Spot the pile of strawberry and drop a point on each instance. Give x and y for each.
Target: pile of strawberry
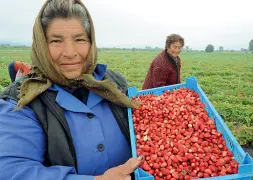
(178, 139)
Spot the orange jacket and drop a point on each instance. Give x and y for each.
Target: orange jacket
(22, 67)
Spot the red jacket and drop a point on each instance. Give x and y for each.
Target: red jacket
(163, 71)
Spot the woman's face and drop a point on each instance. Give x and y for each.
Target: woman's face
(69, 45)
(175, 49)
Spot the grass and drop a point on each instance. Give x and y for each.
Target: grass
(226, 78)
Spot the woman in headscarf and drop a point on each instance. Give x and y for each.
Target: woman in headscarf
(66, 119)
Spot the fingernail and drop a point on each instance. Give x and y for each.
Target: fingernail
(141, 157)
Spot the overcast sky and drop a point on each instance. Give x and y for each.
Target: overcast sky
(140, 23)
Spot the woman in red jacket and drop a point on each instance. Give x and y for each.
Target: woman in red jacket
(165, 68)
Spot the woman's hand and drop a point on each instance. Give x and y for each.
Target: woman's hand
(121, 172)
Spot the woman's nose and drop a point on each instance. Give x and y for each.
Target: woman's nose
(70, 50)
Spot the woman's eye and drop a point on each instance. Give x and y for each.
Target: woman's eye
(80, 40)
(55, 41)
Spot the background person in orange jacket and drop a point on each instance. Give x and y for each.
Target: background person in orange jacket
(165, 68)
(18, 69)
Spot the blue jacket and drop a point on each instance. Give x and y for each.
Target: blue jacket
(99, 143)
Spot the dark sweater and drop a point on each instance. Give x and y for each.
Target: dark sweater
(163, 71)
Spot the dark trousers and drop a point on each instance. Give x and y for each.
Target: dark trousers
(12, 72)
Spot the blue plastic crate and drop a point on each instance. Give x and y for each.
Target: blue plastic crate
(245, 161)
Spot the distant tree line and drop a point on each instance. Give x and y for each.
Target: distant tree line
(3, 46)
(210, 48)
(147, 48)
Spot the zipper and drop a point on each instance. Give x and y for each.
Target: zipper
(175, 65)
